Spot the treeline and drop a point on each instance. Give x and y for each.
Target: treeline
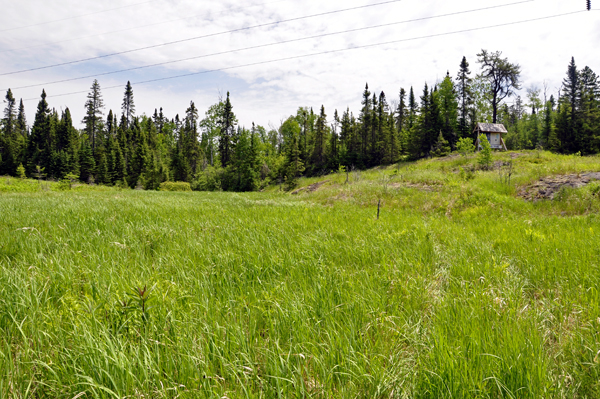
(214, 152)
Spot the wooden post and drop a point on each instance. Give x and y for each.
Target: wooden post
(378, 206)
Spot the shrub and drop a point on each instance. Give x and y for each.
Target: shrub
(465, 146)
(21, 171)
(441, 147)
(209, 179)
(175, 186)
(485, 155)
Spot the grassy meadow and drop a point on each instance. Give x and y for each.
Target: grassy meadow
(461, 289)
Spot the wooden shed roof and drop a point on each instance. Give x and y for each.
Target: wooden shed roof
(491, 128)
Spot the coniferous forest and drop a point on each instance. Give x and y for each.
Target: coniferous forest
(213, 151)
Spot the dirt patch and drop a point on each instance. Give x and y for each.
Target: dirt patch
(547, 187)
(309, 189)
(514, 155)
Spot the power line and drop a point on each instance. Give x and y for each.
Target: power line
(271, 44)
(134, 28)
(325, 52)
(77, 16)
(202, 37)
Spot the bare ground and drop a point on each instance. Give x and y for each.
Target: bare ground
(547, 187)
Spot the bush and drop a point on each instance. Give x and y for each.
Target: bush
(21, 172)
(485, 155)
(465, 146)
(209, 179)
(175, 186)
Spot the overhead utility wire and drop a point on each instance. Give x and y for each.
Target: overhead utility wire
(135, 27)
(266, 45)
(77, 16)
(202, 37)
(323, 53)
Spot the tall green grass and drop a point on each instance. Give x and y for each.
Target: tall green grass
(459, 290)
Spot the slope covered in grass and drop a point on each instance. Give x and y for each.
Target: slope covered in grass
(460, 289)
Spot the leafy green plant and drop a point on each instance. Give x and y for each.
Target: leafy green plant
(175, 186)
(465, 146)
(484, 158)
(21, 172)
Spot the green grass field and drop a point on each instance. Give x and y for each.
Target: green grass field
(460, 289)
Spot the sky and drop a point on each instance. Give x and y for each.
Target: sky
(274, 56)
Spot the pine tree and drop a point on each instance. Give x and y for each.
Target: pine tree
(365, 119)
(190, 144)
(465, 97)
(293, 165)
(567, 120)
(589, 111)
(226, 125)
(319, 146)
(87, 163)
(9, 148)
(38, 153)
(67, 142)
(128, 107)
(93, 113)
(449, 110)
(412, 109)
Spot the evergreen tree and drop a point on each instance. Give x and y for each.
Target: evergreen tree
(365, 119)
(293, 165)
(87, 163)
(226, 125)
(449, 110)
(465, 97)
(9, 142)
(412, 109)
(319, 145)
(190, 144)
(67, 142)
(93, 113)
(589, 111)
(38, 153)
(128, 107)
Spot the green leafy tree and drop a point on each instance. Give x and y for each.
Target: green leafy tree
(502, 76)
(465, 146)
(484, 159)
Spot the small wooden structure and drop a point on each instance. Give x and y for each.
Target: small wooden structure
(493, 132)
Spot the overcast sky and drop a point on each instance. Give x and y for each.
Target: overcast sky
(419, 44)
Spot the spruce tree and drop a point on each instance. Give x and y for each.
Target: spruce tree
(190, 143)
(93, 113)
(319, 146)
(449, 110)
(87, 163)
(226, 125)
(465, 97)
(365, 118)
(9, 143)
(38, 153)
(567, 118)
(128, 107)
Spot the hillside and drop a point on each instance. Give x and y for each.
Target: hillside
(468, 285)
